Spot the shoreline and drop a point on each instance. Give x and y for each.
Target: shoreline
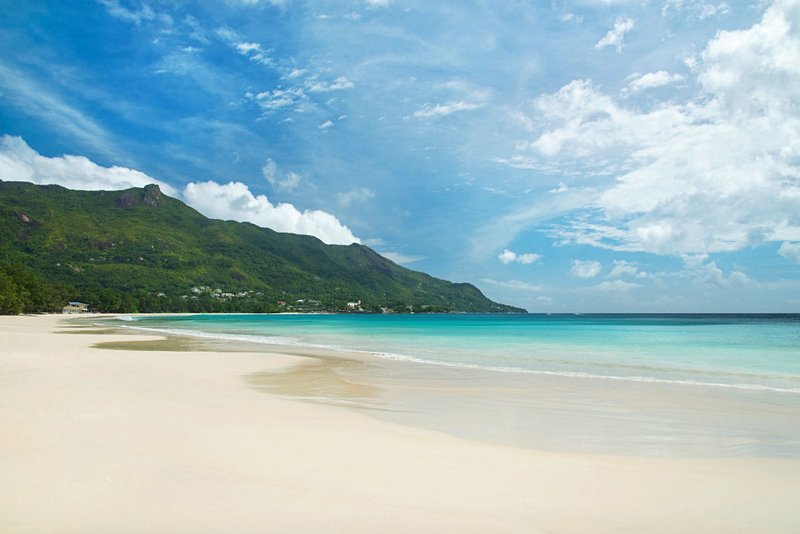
(557, 412)
(108, 440)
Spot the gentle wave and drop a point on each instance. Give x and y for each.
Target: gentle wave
(295, 342)
(578, 374)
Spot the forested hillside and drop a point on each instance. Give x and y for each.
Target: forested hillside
(141, 251)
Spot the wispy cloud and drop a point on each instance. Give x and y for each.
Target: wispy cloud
(615, 35)
(650, 80)
(401, 259)
(513, 284)
(615, 286)
(354, 196)
(441, 110)
(41, 101)
(254, 52)
(118, 11)
(338, 84)
(280, 180)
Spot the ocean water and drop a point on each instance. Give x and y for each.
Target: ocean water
(737, 352)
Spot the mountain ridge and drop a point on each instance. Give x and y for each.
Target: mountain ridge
(139, 250)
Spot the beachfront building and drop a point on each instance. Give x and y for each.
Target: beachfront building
(75, 307)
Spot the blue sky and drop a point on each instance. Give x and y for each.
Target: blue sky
(562, 156)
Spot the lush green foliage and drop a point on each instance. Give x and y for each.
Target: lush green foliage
(139, 250)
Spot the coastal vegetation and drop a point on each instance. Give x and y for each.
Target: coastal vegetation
(139, 250)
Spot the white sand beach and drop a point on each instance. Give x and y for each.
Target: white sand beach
(113, 441)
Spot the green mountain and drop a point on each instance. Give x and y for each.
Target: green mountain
(141, 251)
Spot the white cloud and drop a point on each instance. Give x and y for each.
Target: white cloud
(254, 52)
(354, 196)
(276, 99)
(440, 110)
(234, 201)
(699, 9)
(716, 173)
(693, 261)
(324, 87)
(615, 36)
(377, 3)
(709, 274)
(276, 3)
(790, 251)
(615, 286)
(623, 268)
(653, 79)
(585, 269)
(116, 10)
(325, 125)
(20, 163)
(508, 256)
(42, 101)
(288, 181)
(513, 284)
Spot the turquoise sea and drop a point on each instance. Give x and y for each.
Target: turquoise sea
(749, 352)
(654, 385)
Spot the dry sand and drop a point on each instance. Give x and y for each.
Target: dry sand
(110, 441)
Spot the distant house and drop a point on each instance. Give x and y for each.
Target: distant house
(75, 307)
(354, 305)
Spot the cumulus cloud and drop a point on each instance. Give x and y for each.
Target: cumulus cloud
(717, 173)
(234, 201)
(790, 251)
(707, 273)
(625, 268)
(20, 163)
(585, 269)
(616, 34)
(440, 110)
(508, 256)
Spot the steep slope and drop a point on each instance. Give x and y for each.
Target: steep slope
(140, 250)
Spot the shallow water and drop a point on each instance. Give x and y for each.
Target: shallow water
(758, 352)
(685, 385)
